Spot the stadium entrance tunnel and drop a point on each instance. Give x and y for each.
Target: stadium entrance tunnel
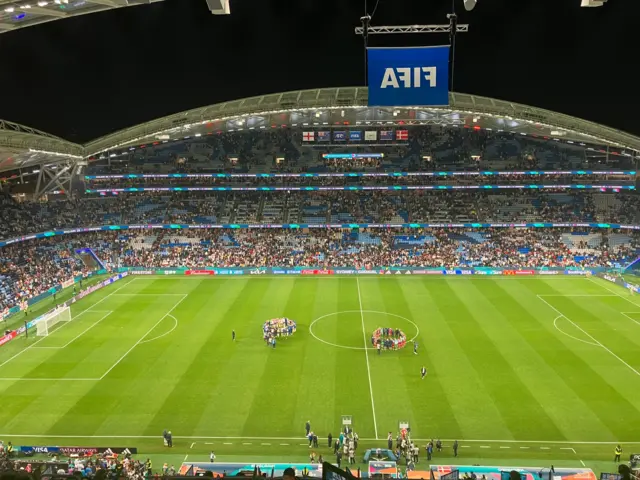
(344, 329)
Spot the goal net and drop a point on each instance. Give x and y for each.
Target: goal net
(60, 314)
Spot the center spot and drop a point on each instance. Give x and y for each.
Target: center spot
(344, 329)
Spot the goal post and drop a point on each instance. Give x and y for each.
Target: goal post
(44, 325)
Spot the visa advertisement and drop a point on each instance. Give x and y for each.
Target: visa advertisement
(409, 76)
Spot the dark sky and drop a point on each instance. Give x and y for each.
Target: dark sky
(91, 75)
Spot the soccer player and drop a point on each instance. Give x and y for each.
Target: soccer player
(415, 348)
(423, 372)
(233, 335)
(212, 457)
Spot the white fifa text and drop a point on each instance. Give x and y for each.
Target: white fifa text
(408, 77)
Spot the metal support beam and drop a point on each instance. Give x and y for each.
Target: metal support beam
(460, 28)
(59, 179)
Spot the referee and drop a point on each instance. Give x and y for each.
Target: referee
(423, 372)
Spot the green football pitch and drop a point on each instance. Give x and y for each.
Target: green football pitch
(524, 370)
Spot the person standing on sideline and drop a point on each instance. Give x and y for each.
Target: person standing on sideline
(415, 347)
(212, 457)
(618, 452)
(379, 349)
(329, 440)
(307, 428)
(233, 335)
(423, 372)
(390, 441)
(455, 448)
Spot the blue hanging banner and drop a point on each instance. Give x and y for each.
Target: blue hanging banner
(408, 76)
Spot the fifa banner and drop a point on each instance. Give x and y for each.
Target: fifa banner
(410, 76)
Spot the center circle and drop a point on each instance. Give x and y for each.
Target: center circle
(375, 312)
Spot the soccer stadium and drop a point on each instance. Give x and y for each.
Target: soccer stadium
(304, 281)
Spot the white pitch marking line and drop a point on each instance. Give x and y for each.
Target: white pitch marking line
(185, 458)
(284, 444)
(485, 446)
(226, 443)
(359, 311)
(601, 285)
(192, 445)
(197, 437)
(366, 353)
(85, 331)
(545, 448)
(582, 463)
(568, 448)
(155, 294)
(574, 295)
(209, 443)
(505, 447)
(175, 325)
(630, 318)
(589, 335)
(265, 444)
(50, 379)
(524, 448)
(62, 326)
(143, 337)
(247, 443)
(464, 446)
(38, 341)
(555, 324)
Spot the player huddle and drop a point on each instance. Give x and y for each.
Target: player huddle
(277, 327)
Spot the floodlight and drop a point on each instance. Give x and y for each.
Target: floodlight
(470, 4)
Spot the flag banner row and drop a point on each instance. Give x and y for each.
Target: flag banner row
(355, 136)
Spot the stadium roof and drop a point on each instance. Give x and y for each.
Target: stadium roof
(16, 14)
(319, 108)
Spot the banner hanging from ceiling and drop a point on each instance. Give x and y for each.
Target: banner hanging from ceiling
(408, 76)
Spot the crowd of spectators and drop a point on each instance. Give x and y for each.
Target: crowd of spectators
(386, 206)
(32, 267)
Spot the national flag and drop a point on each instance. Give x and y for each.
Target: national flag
(402, 134)
(386, 135)
(355, 135)
(324, 136)
(308, 136)
(370, 135)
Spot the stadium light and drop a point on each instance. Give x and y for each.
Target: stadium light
(470, 4)
(593, 3)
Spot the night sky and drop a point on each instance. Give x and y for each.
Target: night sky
(91, 75)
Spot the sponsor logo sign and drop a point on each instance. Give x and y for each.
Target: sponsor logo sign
(257, 271)
(525, 272)
(548, 272)
(577, 272)
(200, 272)
(143, 272)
